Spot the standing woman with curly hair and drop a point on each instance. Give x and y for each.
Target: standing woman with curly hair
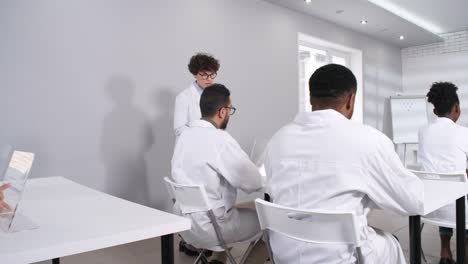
(443, 148)
(204, 69)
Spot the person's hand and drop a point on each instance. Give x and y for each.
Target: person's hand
(3, 204)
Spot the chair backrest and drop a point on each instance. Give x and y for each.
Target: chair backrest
(169, 189)
(438, 176)
(320, 227)
(257, 149)
(414, 166)
(190, 198)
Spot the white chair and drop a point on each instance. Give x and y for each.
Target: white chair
(318, 227)
(193, 199)
(437, 176)
(257, 149)
(414, 167)
(169, 189)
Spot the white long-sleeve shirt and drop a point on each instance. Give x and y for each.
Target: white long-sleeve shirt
(443, 148)
(187, 108)
(324, 161)
(205, 155)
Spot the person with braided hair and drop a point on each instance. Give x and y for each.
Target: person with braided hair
(443, 148)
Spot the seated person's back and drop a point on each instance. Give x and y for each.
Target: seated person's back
(443, 144)
(443, 148)
(207, 155)
(324, 161)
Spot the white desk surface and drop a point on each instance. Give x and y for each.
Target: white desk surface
(74, 219)
(440, 193)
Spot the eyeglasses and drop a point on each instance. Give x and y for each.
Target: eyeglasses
(232, 109)
(205, 75)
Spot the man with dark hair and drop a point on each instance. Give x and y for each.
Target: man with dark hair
(205, 154)
(204, 68)
(324, 161)
(443, 148)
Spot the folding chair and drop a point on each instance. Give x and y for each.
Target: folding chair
(318, 227)
(438, 176)
(193, 198)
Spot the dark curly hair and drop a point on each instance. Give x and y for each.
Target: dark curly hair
(443, 95)
(203, 62)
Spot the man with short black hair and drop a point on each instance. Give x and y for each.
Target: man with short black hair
(205, 154)
(204, 69)
(324, 161)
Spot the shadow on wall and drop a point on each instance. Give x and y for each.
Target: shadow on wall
(158, 158)
(125, 139)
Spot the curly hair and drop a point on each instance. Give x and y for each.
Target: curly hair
(203, 62)
(443, 95)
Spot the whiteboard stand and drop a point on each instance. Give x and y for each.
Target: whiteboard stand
(409, 114)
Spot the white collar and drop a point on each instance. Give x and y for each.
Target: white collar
(318, 116)
(201, 123)
(443, 120)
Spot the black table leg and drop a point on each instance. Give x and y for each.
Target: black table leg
(415, 239)
(266, 197)
(167, 249)
(461, 230)
(56, 261)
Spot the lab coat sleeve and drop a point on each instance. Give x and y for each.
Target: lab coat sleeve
(390, 185)
(464, 140)
(236, 167)
(181, 112)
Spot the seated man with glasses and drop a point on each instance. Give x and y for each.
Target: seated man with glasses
(205, 154)
(204, 68)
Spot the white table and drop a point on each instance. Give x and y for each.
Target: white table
(436, 195)
(74, 219)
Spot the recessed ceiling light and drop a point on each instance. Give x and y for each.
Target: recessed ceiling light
(307, 1)
(363, 22)
(402, 37)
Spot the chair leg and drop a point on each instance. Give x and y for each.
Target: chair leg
(266, 238)
(220, 237)
(205, 259)
(247, 252)
(199, 257)
(230, 257)
(422, 250)
(359, 255)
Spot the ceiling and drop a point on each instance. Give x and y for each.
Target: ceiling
(388, 19)
(437, 16)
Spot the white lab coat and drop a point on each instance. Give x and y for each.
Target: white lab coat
(187, 108)
(202, 144)
(324, 161)
(443, 147)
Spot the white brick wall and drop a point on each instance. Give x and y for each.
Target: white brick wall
(453, 42)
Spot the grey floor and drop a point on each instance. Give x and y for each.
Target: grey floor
(148, 251)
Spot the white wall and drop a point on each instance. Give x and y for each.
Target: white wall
(90, 85)
(445, 61)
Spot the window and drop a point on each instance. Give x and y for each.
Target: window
(314, 53)
(312, 58)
